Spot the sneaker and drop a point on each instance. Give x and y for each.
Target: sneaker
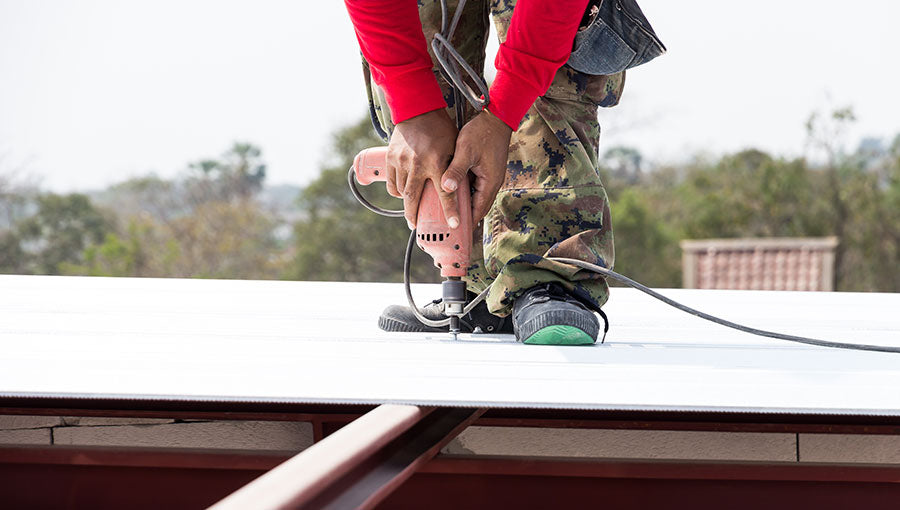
(547, 314)
(401, 319)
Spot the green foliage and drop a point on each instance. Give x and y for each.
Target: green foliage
(646, 249)
(750, 194)
(867, 221)
(115, 257)
(239, 173)
(207, 224)
(13, 259)
(853, 196)
(63, 227)
(221, 240)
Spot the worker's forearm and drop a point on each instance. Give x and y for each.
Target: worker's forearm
(537, 44)
(391, 39)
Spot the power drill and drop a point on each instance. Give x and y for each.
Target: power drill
(450, 248)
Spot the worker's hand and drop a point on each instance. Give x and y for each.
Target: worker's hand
(482, 147)
(420, 149)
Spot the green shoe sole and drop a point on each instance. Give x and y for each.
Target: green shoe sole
(560, 335)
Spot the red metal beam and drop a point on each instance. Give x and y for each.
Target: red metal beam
(139, 478)
(261, 460)
(62, 477)
(488, 483)
(524, 492)
(357, 466)
(137, 457)
(700, 421)
(304, 477)
(662, 469)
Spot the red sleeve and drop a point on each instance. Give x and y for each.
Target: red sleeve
(390, 37)
(537, 44)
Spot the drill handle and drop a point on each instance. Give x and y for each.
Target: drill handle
(370, 165)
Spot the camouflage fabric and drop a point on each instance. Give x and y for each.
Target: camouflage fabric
(552, 203)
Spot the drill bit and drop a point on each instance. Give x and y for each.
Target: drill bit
(454, 327)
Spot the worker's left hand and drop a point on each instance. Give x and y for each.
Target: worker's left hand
(482, 147)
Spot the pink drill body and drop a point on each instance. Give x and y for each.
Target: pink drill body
(450, 248)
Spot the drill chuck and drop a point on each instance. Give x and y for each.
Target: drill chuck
(453, 295)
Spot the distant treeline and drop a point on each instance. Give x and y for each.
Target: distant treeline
(215, 220)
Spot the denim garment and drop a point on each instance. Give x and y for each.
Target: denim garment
(618, 38)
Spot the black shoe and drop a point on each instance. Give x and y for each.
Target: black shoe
(547, 314)
(401, 318)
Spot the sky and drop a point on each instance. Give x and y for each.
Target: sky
(93, 92)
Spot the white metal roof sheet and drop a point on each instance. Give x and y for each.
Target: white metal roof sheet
(216, 340)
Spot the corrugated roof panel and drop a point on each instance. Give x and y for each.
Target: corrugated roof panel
(211, 340)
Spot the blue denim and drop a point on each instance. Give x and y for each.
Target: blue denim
(618, 38)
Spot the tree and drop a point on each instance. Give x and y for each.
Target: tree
(646, 249)
(623, 167)
(17, 201)
(238, 174)
(17, 198)
(115, 257)
(56, 235)
(870, 185)
(826, 135)
(13, 259)
(750, 194)
(207, 223)
(861, 213)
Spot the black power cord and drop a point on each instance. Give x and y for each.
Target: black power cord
(712, 318)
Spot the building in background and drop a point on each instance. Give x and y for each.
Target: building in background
(784, 263)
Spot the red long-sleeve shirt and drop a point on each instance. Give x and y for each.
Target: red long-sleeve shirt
(537, 44)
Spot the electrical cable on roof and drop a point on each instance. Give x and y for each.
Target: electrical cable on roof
(444, 51)
(712, 318)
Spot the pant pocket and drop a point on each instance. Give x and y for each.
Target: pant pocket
(599, 50)
(618, 38)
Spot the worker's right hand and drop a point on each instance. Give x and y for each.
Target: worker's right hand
(420, 150)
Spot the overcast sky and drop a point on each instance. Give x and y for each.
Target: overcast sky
(96, 91)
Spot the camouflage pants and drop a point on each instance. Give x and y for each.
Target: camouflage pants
(552, 203)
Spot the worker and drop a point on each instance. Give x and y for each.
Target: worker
(532, 152)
